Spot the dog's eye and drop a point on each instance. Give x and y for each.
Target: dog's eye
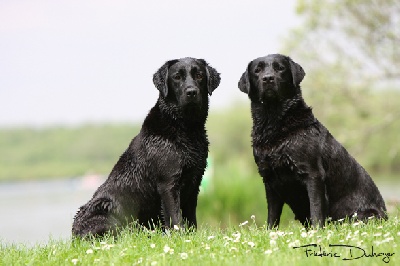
(257, 70)
(199, 76)
(177, 76)
(278, 67)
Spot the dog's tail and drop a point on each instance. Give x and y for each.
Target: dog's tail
(95, 218)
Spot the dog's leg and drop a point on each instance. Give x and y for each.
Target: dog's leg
(189, 205)
(170, 203)
(275, 205)
(189, 213)
(316, 195)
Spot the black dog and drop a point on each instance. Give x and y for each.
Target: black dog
(157, 178)
(300, 162)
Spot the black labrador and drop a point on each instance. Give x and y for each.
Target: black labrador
(301, 163)
(157, 179)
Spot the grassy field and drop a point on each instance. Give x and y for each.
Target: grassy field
(375, 243)
(28, 154)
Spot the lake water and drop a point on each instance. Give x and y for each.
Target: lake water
(34, 212)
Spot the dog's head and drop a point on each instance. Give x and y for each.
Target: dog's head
(270, 78)
(186, 81)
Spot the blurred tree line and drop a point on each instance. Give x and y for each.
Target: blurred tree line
(349, 51)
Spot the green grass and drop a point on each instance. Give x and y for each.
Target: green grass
(244, 244)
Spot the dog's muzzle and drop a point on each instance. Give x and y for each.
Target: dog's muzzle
(192, 94)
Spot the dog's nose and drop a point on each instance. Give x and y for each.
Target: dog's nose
(268, 78)
(191, 92)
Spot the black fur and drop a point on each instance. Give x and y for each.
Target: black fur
(301, 163)
(157, 178)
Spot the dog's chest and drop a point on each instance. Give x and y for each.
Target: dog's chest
(274, 157)
(194, 149)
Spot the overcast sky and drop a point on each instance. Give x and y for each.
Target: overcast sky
(72, 62)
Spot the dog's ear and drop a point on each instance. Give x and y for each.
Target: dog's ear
(213, 77)
(244, 82)
(297, 73)
(160, 78)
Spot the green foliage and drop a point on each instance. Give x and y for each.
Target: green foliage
(233, 198)
(27, 153)
(349, 51)
(244, 244)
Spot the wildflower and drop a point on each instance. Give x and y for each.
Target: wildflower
(244, 223)
(364, 233)
(303, 234)
(184, 256)
(272, 242)
(251, 244)
(74, 261)
(398, 233)
(273, 235)
(207, 247)
(96, 260)
(295, 243)
(210, 237)
(378, 234)
(152, 245)
(228, 238)
(388, 239)
(386, 235)
(268, 251)
(166, 249)
(311, 233)
(188, 240)
(106, 246)
(89, 251)
(253, 217)
(176, 227)
(237, 237)
(280, 233)
(357, 223)
(154, 263)
(233, 249)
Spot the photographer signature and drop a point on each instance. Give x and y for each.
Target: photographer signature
(345, 252)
